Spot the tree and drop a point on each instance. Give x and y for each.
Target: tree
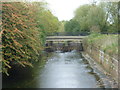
(112, 16)
(48, 22)
(92, 18)
(81, 16)
(96, 19)
(72, 26)
(24, 27)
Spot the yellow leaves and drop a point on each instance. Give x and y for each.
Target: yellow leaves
(5, 4)
(18, 32)
(22, 53)
(5, 70)
(6, 63)
(15, 15)
(17, 43)
(26, 63)
(7, 54)
(23, 63)
(1, 32)
(22, 34)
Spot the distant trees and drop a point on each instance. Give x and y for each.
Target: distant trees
(81, 16)
(101, 18)
(112, 16)
(91, 18)
(96, 19)
(72, 26)
(24, 27)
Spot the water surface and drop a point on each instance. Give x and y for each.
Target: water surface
(62, 70)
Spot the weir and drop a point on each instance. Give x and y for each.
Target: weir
(64, 43)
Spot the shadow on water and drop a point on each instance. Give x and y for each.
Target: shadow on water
(61, 70)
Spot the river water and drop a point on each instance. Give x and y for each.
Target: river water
(62, 70)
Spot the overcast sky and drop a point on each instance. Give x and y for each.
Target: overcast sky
(64, 9)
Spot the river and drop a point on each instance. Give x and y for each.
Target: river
(62, 70)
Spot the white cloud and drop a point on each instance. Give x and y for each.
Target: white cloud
(64, 9)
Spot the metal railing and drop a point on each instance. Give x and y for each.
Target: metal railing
(69, 34)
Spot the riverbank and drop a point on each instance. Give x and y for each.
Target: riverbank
(106, 43)
(23, 76)
(103, 49)
(97, 68)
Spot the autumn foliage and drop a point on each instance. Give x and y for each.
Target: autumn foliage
(23, 33)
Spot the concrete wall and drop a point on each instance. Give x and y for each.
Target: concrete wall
(64, 46)
(109, 63)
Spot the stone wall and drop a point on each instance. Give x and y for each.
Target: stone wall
(108, 62)
(64, 46)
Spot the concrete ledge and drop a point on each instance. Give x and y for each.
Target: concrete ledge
(99, 68)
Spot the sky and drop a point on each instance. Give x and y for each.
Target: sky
(64, 9)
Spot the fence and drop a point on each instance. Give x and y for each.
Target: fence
(69, 34)
(75, 33)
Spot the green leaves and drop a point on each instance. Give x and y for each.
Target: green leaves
(25, 26)
(81, 15)
(98, 18)
(72, 26)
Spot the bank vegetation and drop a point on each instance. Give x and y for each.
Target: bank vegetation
(24, 28)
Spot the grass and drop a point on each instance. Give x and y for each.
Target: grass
(107, 43)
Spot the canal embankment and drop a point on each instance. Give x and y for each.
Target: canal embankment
(103, 50)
